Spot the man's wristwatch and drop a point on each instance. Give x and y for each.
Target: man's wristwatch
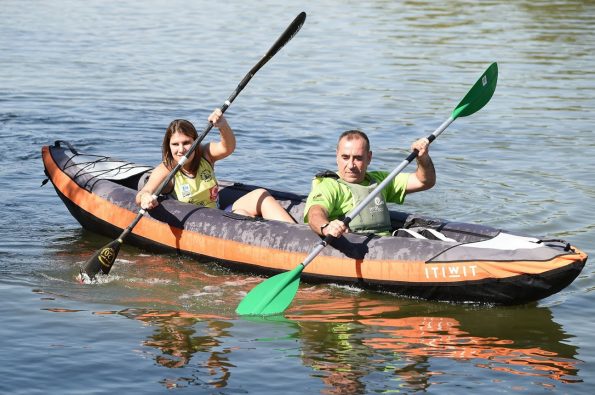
(322, 228)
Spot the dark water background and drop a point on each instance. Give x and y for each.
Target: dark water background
(108, 76)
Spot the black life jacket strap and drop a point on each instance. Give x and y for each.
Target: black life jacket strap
(327, 174)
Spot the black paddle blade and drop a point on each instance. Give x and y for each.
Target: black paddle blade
(103, 259)
(293, 28)
(288, 34)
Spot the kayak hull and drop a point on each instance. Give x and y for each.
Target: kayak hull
(471, 263)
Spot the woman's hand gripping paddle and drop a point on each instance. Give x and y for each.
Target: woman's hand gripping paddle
(103, 259)
(275, 294)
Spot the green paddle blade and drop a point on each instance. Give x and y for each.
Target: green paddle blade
(479, 95)
(273, 295)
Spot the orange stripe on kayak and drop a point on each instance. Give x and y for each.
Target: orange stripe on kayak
(84, 199)
(422, 272)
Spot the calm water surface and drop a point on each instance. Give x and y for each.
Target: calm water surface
(108, 76)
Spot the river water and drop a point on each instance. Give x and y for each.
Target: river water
(108, 76)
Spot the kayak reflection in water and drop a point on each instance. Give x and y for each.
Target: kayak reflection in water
(347, 340)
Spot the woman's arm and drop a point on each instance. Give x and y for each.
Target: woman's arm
(217, 150)
(145, 197)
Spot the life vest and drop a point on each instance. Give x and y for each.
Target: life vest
(202, 190)
(374, 217)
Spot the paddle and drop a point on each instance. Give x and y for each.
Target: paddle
(275, 294)
(103, 259)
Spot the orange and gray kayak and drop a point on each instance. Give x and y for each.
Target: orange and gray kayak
(429, 258)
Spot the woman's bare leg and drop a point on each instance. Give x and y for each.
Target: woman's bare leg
(260, 203)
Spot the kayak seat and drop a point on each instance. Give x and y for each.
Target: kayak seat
(143, 180)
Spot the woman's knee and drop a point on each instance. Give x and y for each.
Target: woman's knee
(260, 193)
(250, 203)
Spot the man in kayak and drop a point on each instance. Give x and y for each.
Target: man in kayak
(333, 195)
(195, 182)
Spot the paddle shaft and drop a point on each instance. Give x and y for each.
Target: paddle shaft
(474, 100)
(353, 213)
(275, 294)
(104, 258)
(287, 35)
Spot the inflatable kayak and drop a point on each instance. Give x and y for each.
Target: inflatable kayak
(426, 257)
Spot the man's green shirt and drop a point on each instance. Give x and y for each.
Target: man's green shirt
(338, 200)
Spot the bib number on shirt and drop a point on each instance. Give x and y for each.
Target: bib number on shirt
(185, 188)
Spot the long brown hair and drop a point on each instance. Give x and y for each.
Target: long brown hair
(186, 128)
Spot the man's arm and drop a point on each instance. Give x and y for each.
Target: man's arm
(425, 175)
(319, 223)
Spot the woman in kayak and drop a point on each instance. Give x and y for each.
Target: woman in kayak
(195, 181)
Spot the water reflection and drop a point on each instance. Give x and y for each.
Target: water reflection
(180, 337)
(405, 339)
(348, 341)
